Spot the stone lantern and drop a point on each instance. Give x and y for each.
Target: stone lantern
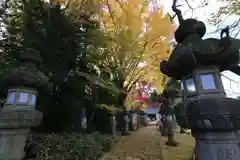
(18, 114)
(212, 117)
(169, 122)
(126, 123)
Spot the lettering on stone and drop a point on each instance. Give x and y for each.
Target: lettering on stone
(225, 153)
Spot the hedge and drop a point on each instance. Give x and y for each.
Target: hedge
(69, 146)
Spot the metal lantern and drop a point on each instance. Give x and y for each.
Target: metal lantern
(212, 117)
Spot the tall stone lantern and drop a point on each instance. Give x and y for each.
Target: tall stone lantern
(18, 113)
(213, 118)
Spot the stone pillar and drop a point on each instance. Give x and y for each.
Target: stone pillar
(114, 126)
(84, 120)
(18, 114)
(164, 129)
(134, 121)
(138, 120)
(14, 128)
(171, 124)
(217, 146)
(214, 127)
(126, 120)
(126, 125)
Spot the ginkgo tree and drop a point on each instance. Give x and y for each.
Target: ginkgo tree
(139, 34)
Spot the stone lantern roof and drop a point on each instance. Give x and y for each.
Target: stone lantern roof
(26, 73)
(193, 52)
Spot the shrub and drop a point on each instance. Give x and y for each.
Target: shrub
(69, 146)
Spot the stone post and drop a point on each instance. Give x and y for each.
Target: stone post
(138, 119)
(114, 126)
(126, 124)
(126, 119)
(134, 121)
(84, 120)
(18, 114)
(197, 62)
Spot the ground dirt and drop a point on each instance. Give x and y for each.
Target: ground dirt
(148, 144)
(184, 151)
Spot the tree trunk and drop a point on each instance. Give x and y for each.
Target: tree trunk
(121, 95)
(121, 99)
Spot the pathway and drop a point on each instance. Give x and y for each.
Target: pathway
(145, 144)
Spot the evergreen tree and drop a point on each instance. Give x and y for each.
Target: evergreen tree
(62, 43)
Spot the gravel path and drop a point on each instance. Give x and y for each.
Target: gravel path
(145, 144)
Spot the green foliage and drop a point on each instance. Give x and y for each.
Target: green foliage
(69, 146)
(108, 108)
(64, 42)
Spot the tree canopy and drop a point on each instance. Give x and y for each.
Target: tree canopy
(138, 36)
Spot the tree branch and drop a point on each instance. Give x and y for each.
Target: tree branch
(177, 11)
(110, 12)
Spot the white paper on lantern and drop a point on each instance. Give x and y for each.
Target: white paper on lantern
(208, 81)
(33, 101)
(23, 98)
(190, 85)
(11, 97)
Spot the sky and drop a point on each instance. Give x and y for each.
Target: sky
(231, 81)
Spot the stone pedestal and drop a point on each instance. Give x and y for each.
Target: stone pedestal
(215, 124)
(14, 129)
(217, 146)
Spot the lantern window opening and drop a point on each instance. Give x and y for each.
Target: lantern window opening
(33, 100)
(11, 98)
(208, 81)
(23, 98)
(190, 85)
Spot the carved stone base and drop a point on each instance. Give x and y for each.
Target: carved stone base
(14, 129)
(12, 144)
(217, 146)
(209, 114)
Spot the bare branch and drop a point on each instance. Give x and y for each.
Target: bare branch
(177, 11)
(131, 83)
(189, 5)
(191, 8)
(171, 17)
(136, 74)
(110, 12)
(232, 27)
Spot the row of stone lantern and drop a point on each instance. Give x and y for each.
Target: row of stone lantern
(212, 117)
